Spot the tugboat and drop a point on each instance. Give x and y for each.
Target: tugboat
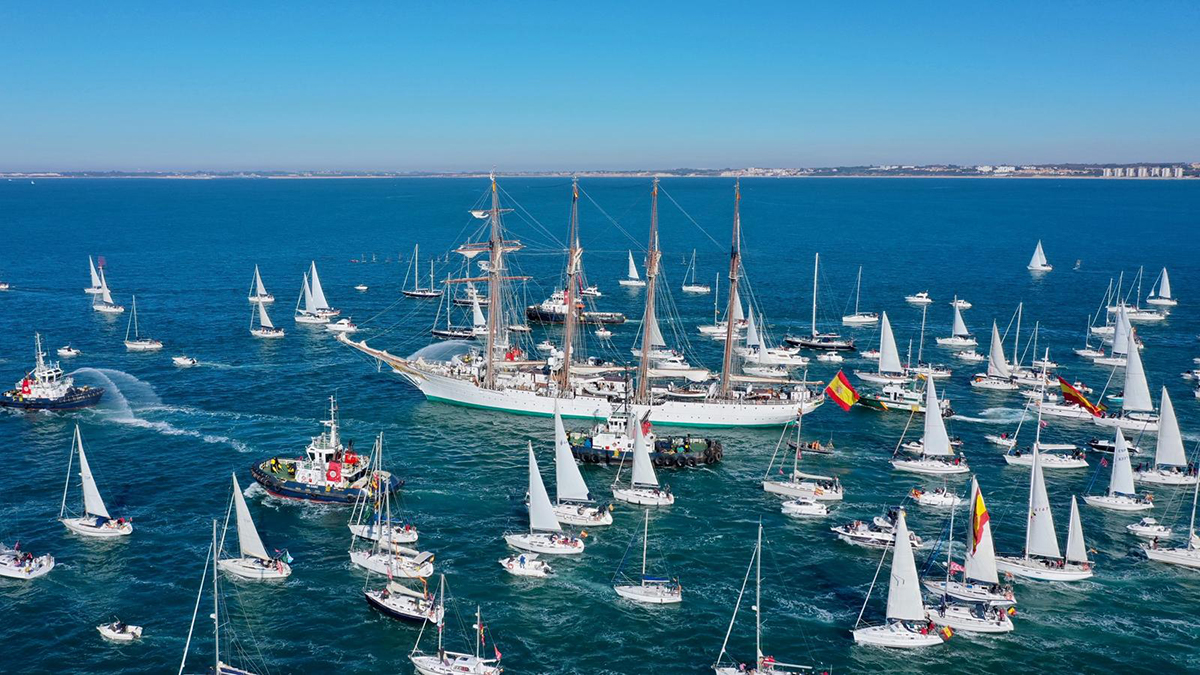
(47, 388)
(329, 473)
(611, 442)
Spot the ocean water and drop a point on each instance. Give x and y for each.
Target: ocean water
(164, 440)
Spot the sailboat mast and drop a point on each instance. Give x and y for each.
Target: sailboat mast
(758, 599)
(816, 264)
(652, 254)
(1192, 525)
(921, 344)
(858, 291)
(645, 541)
(495, 250)
(479, 632)
(734, 264)
(70, 463)
(442, 614)
(1017, 338)
(1037, 441)
(216, 606)
(573, 259)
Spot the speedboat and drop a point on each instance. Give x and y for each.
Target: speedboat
(603, 333)
(183, 361)
(960, 303)
(921, 298)
(119, 631)
(830, 357)
(804, 507)
(971, 356)
(68, 351)
(18, 564)
(342, 326)
(592, 292)
(526, 565)
(361, 288)
(937, 497)
(1149, 528)
(870, 354)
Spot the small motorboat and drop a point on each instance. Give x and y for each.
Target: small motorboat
(804, 507)
(1149, 528)
(342, 326)
(119, 631)
(183, 361)
(870, 354)
(68, 351)
(603, 333)
(591, 292)
(940, 497)
(526, 565)
(960, 303)
(921, 298)
(970, 357)
(361, 288)
(830, 357)
(545, 346)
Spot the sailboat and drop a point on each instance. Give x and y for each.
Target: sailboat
(446, 662)
(1136, 312)
(999, 375)
(693, 286)
(799, 486)
(573, 503)
(631, 277)
(718, 328)
(980, 582)
(760, 357)
(1038, 262)
(890, 370)
(1187, 555)
(320, 305)
(258, 292)
(643, 488)
(371, 518)
(960, 337)
(415, 271)
(103, 301)
(253, 562)
(95, 288)
(651, 590)
(265, 328)
(936, 454)
(94, 521)
(1171, 465)
(762, 664)
(1118, 355)
(1161, 294)
(859, 318)
(138, 343)
(545, 534)
(309, 313)
(907, 625)
(970, 616)
(385, 554)
(1137, 409)
(1122, 495)
(818, 340)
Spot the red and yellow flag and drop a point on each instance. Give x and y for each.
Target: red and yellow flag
(1073, 395)
(841, 392)
(979, 518)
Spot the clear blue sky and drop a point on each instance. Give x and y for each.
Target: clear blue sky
(567, 85)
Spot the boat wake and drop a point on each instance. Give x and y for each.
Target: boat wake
(994, 416)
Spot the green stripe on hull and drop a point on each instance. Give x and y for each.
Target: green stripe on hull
(531, 413)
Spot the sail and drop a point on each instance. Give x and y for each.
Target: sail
(633, 273)
(96, 277)
(1040, 539)
(318, 293)
(737, 307)
(478, 320)
(1076, 548)
(1164, 286)
(904, 589)
(1121, 481)
(656, 336)
(937, 442)
(1121, 330)
(92, 503)
(1039, 256)
(889, 355)
(752, 337)
(309, 306)
(980, 562)
(997, 364)
(1170, 450)
(643, 470)
(248, 540)
(259, 289)
(104, 293)
(1137, 390)
(569, 482)
(960, 327)
(541, 512)
(263, 319)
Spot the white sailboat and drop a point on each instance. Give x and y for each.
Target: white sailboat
(694, 286)
(960, 337)
(1122, 495)
(103, 301)
(718, 328)
(631, 277)
(817, 339)
(445, 662)
(320, 304)
(253, 562)
(94, 519)
(650, 590)
(385, 554)
(643, 488)
(907, 625)
(371, 518)
(264, 329)
(763, 360)
(890, 370)
(138, 343)
(545, 534)
(936, 455)
(969, 616)
(980, 581)
(414, 271)
(805, 489)
(258, 292)
(1137, 409)
(95, 288)
(1171, 465)
(859, 318)
(1119, 353)
(999, 376)
(1161, 294)
(1187, 555)
(1038, 262)
(308, 313)
(573, 503)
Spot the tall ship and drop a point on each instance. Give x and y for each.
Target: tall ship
(46, 387)
(501, 377)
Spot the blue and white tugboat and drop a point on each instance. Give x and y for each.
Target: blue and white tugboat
(47, 388)
(329, 472)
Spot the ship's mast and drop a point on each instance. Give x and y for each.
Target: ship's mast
(649, 322)
(574, 257)
(734, 265)
(495, 251)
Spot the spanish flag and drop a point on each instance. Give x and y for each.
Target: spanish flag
(841, 392)
(979, 518)
(1073, 395)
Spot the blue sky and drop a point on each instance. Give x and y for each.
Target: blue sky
(564, 85)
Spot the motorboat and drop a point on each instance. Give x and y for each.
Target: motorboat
(526, 565)
(921, 298)
(184, 361)
(119, 631)
(342, 326)
(68, 351)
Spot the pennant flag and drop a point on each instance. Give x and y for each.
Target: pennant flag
(498, 654)
(841, 391)
(956, 568)
(1103, 461)
(1073, 395)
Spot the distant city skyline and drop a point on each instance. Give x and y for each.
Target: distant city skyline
(456, 86)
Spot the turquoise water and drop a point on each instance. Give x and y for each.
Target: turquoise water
(164, 440)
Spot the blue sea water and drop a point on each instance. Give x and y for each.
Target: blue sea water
(164, 440)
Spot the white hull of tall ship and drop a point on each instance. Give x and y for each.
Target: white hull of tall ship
(255, 568)
(454, 664)
(1119, 502)
(973, 592)
(545, 543)
(1161, 476)
(1049, 461)
(1043, 569)
(1187, 557)
(957, 342)
(91, 526)
(1139, 423)
(643, 496)
(396, 564)
(933, 467)
(896, 635)
(968, 619)
(582, 514)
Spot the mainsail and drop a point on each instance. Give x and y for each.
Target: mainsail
(263, 319)
(1121, 481)
(960, 327)
(259, 289)
(567, 478)
(1039, 256)
(643, 470)
(318, 294)
(1040, 537)
(997, 364)
(980, 562)
(1137, 389)
(904, 589)
(889, 355)
(1170, 451)
(96, 277)
(1076, 548)
(937, 441)
(92, 503)
(248, 541)
(632, 274)
(541, 511)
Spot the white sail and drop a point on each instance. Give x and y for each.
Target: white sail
(263, 319)
(104, 293)
(259, 289)
(737, 307)
(643, 470)
(980, 563)
(310, 307)
(960, 327)
(1076, 548)
(478, 320)
(632, 275)
(1164, 286)
(752, 337)
(1039, 256)
(567, 478)
(889, 355)
(318, 293)
(1137, 389)
(1121, 481)
(1170, 451)
(96, 277)
(904, 589)
(997, 364)
(656, 336)
(937, 441)
(92, 503)
(1040, 538)
(1121, 331)
(248, 541)
(541, 511)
